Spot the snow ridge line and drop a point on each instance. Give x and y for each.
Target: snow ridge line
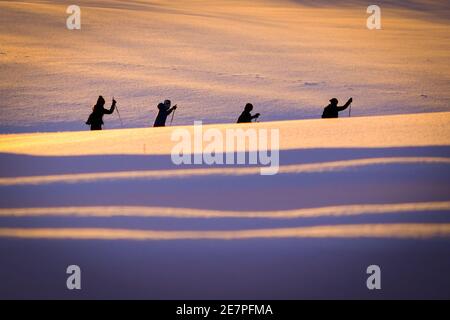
(395, 230)
(225, 171)
(164, 212)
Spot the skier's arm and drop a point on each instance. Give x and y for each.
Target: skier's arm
(110, 111)
(256, 116)
(171, 110)
(349, 102)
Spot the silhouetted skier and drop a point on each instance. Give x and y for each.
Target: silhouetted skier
(246, 116)
(164, 111)
(332, 110)
(96, 117)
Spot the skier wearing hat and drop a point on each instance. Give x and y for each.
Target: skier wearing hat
(246, 116)
(96, 117)
(332, 110)
(164, 111)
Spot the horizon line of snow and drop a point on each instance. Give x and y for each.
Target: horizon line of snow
(227, 171)
(398, 231)
(141, 211)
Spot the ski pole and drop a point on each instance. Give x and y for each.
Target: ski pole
(118, 113)
(120, 118)
(350, 111)
(173, 115)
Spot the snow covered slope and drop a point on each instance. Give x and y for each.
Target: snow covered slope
(211, 57)
(350, 193)
(409, 130)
